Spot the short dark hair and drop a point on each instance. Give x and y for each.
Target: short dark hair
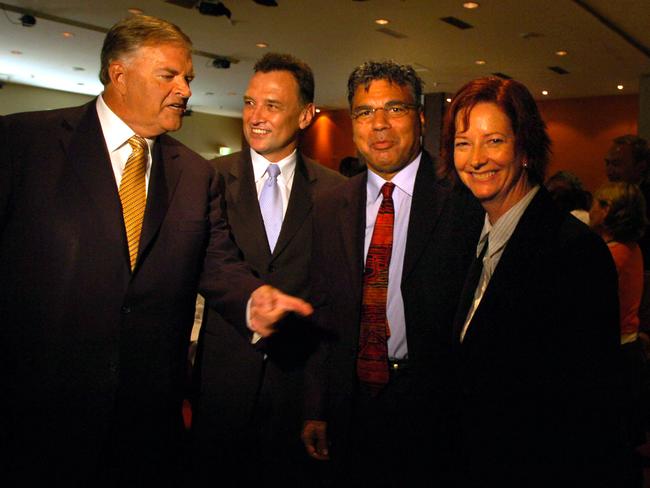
(400, 74)
(531, 139)
(299, 69)
(132, 33)
(626, 218)
(567, 191)
(638, 144)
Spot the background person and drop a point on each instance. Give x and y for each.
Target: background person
(618, 215)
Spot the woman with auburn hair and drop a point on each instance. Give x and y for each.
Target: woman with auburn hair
(536, 332)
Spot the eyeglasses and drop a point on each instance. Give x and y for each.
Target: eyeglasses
(392, 111)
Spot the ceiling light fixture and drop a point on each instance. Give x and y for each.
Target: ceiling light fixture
(67, 35)
(262, 44)
(382, 21)
(448, 100)
(561, 52)
(619, 87)
(28, 20)
(480, 61)
(317, 110)
(135, 11)
(471, 5)
(544, 92)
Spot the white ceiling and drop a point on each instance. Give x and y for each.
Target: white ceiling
(515, 37)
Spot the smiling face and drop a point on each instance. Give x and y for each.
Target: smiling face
(273, 114)
(386, 144)
(149, 88)
(486, 160)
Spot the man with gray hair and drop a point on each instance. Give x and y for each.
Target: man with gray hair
(107, 225)
(391, 249)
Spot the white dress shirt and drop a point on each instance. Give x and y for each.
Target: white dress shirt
(117, 134)
(285, 178)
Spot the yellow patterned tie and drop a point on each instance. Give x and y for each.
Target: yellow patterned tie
(133, 194)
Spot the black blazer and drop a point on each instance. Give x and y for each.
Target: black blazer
(443, 225)
(230, 371)
(94, 357)
(536, 366)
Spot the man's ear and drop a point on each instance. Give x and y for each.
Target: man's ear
(306, 115)
(117, 73)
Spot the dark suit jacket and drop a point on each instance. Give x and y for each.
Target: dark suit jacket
(94, 357)
(443, 225)
(535, 368)
(232, 373)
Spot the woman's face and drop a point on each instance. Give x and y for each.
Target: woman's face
(486, 161)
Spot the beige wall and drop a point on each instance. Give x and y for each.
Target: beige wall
(203, 133)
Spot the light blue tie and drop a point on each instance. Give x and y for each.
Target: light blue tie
(271, 205)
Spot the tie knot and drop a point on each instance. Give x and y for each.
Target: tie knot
(137, 143)
(387, 190)
(273, 170)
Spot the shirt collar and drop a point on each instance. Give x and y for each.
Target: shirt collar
(503, 228)
(404, 180)
(287, 165)
(116, 132)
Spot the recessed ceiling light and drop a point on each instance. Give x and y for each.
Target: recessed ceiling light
(317, 110)
(561, 52)
(480, 61)
(136, 11)
(17, 52)
(262, 44)
(471, 5)
(619, 87)
(67, 35)
(382, 21)
(544, 92)
(448, 100)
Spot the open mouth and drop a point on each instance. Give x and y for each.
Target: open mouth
(181, 107)
(259, 132)
(486, 175)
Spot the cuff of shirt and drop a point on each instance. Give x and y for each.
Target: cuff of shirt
(256, 337)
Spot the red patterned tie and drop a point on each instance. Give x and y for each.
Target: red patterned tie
(372, 359)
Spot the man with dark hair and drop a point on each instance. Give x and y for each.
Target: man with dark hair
(628, 160)
(377, 390)
(106, 224)
(249, 391)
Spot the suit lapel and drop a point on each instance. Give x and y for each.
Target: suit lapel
(84, 144)
(429, 197)
(243, 207)
(166, 170)
(299, 207)
(352, 220)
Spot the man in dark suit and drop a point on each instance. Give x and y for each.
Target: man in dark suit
(247, 415)
(386, 428)
(105, 226)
